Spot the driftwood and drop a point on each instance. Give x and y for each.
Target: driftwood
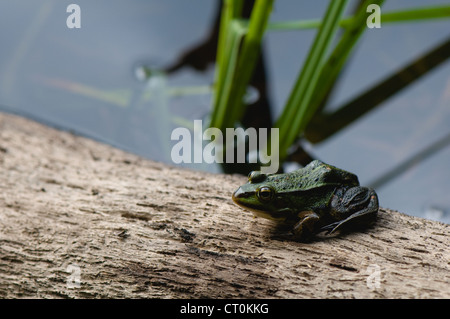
(81, 219)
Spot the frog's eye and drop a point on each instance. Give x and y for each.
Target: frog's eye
(256, 177)
(265, 193)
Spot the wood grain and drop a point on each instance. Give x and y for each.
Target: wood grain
(139, 229)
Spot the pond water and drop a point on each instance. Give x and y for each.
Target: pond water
(89, 80)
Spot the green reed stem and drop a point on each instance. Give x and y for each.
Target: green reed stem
(296, 113)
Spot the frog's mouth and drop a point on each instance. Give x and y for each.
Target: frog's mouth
(240, 195)
(264, 212)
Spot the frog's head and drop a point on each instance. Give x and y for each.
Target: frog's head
(260, 196)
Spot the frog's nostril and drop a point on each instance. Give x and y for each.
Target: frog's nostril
(237, 194)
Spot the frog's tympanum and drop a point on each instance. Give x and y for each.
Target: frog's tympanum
(313, 199)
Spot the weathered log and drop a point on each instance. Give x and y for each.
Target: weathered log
(81, 219)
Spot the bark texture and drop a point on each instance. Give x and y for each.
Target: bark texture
(80, 219)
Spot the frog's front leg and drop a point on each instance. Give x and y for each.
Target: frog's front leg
(356, 206)
(305, 227)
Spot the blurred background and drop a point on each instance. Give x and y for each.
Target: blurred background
(94, 81)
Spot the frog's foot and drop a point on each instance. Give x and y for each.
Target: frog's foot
(361, 202)
(305, 228)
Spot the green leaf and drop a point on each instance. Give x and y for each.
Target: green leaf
(296, 113)
(408, 15)
(237, 63)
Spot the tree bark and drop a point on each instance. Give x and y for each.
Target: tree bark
(81, 219)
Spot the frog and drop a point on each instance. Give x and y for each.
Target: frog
(316, 198)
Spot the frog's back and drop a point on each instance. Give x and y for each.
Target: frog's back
(318, 174)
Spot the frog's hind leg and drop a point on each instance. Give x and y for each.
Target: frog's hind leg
(361, 202)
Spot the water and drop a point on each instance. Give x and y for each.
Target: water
(93, 81)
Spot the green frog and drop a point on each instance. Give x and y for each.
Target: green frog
(310, 200)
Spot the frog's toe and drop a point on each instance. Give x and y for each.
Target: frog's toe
(331, 228)
(306, 226)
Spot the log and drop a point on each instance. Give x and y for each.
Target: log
(80, 219)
